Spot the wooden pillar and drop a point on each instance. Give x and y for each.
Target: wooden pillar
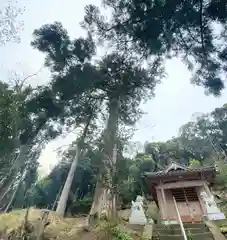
(160, 202)
(164, 203)
(202, 204)
(207, 189)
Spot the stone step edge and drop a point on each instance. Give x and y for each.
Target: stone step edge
(180, 235)
(173, 233)
(178, 226)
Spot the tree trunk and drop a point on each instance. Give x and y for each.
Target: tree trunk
(104, 201)
(17, 164)
(68, 183)
(114, 184)
(94, 211)
(56, 199)
(24, 149)
(16, 191)
(6, 191)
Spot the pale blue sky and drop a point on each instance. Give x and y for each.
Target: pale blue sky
(176, 99)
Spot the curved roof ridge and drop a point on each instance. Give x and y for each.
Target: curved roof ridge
(173, 166)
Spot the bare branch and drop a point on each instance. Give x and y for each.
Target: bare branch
(18, 81)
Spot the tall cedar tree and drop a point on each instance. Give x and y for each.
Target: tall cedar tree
(71, 88)
(86, 118)
(117, 79)
(124, 83)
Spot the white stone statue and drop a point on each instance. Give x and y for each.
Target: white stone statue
(213, 211)
(137, 213)
(211, 205)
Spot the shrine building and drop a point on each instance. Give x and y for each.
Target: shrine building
(179, 190)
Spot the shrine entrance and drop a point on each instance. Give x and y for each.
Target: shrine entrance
(178, 188)
(188, 204)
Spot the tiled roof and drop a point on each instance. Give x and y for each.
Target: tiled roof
(176, 171)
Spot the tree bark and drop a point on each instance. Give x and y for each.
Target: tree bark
(114, 185)
(68, 183)
(104, 201)
(95, 207)
(95, 203)
(56, 199)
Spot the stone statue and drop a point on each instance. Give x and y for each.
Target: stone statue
(139, 199)
(137, 213)
(213, 212)
(211, 205)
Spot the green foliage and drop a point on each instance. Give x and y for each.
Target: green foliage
(68, 60)
(192, 148)
(122, 78)
(129, 182)
(118, 234)
(221, 178)
(82, 90)
(164, 152)
(111, 230)
(81, 205)
(206, 136)
(193, 163)
(61, 52)
(44, 193)
(20, 145)
(13, 116)
(189, 235)
(168, 29)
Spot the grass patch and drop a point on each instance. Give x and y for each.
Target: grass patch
(65, 228)
(61, 228)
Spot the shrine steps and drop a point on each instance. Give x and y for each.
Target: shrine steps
(199, 225)
(199, 236)
(178, 231)
(195, 231)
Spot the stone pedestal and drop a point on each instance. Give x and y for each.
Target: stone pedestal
(216, 216)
